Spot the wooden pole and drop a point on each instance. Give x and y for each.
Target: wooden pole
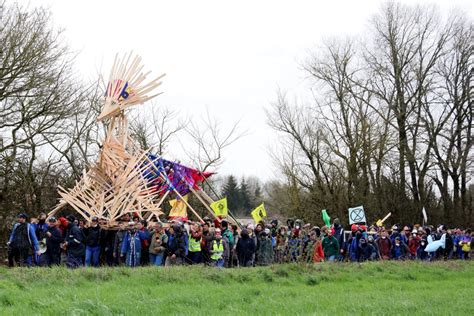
(203, 202)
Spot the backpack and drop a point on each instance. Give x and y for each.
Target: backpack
(21, 240)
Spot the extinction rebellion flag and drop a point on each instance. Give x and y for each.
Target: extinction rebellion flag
(220, 207)
(357, 215)
(259, 213)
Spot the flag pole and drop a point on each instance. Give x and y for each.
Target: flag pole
(217, 195)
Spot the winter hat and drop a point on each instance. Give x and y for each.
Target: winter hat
(52, 219)
(63, 221)
(22, 215)
(71, 218)
(267, 231)
(354, 227)
(296, 232)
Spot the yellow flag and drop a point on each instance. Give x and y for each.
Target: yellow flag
(179, 208)
(259, 213)
(220, 207)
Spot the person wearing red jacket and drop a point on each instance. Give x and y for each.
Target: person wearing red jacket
(206, 239)
(413, 244)
(385, 246)
(318, 254)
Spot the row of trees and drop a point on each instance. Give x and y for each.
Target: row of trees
(390, 126)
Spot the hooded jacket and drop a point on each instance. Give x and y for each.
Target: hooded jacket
(75, 241)
(177, 243)
(385, 247)
(330, 246)
(53, 243)
(245, 249)
(92, 236)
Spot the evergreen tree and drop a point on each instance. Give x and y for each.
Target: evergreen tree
(232, 192)
(245, 197)
(257, 198)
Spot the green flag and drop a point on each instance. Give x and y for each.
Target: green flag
(326, 218)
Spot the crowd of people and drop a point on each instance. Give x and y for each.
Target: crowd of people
(49, 241)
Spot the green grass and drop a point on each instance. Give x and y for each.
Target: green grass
(383, 288)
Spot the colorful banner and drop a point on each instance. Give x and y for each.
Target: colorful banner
(259, 213)
(220, 207)
(164, 175)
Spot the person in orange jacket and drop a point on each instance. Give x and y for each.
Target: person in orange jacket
(318, 254)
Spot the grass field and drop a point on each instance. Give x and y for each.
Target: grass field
(395, 288)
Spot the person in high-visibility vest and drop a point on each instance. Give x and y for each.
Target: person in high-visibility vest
(219, 249)
(194, 247)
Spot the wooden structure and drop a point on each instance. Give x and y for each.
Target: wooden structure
(116, 184)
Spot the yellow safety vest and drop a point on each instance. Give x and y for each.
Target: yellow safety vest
(194, 246)
(217, 250)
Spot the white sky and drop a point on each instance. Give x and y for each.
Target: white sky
(227, 56)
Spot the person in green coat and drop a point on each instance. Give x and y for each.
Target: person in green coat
(265, 254)
(330, 246)
(228, 235)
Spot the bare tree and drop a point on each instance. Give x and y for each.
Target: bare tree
(159, 131)
(77, 141)
(38, 92)
(408, 42)
(209, 140)
(392, 117)
(449, 122)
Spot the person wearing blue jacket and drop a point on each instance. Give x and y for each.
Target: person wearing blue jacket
(74, 244)
(132, 246)
(353, 247)
(22, 241)
(52, 256)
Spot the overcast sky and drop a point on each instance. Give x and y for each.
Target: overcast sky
(227, 56)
